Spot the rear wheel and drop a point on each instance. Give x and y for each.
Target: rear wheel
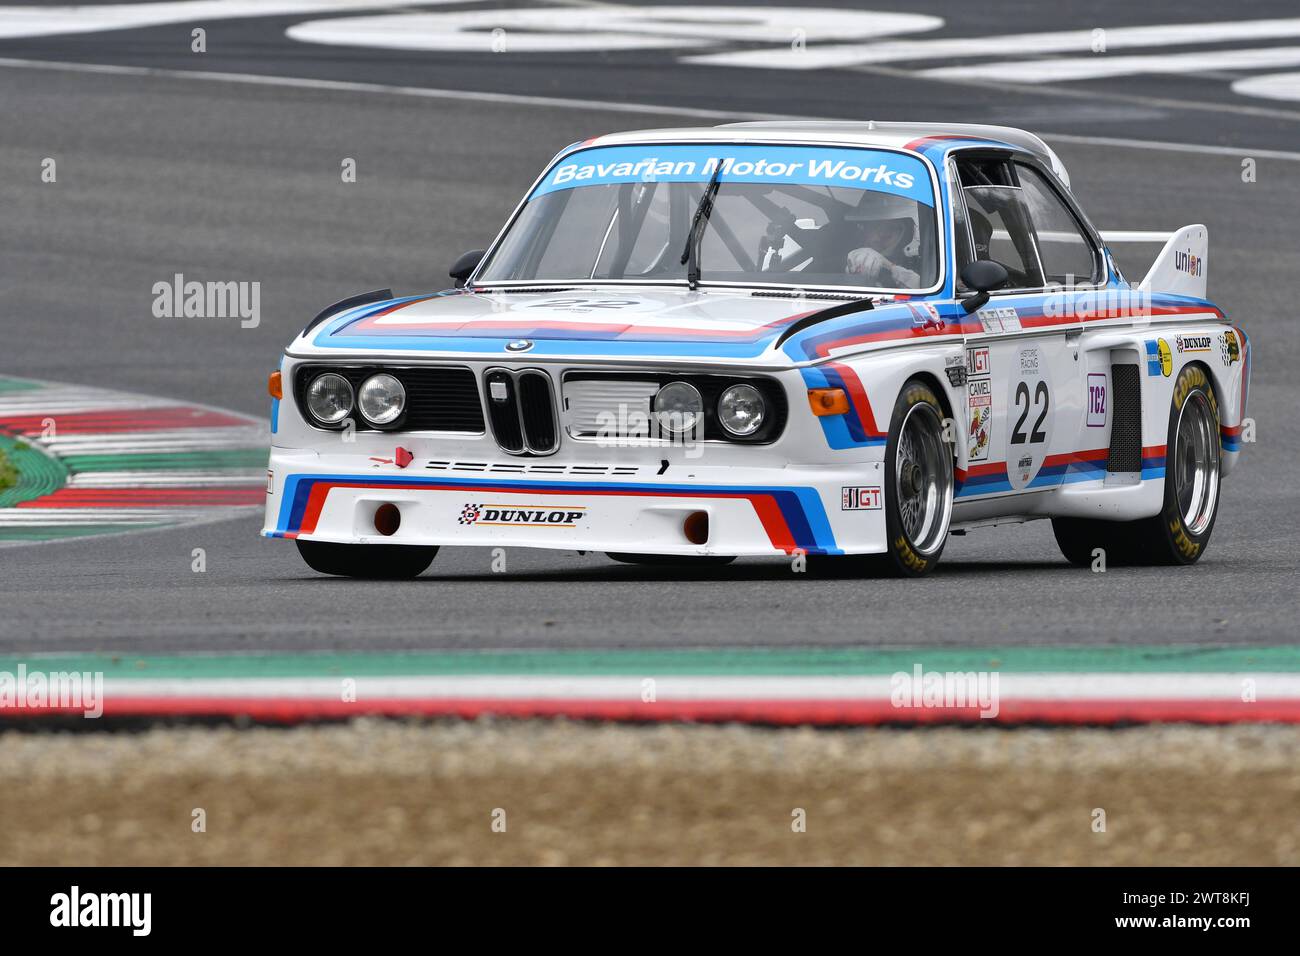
(1181, 531)
(372, 561)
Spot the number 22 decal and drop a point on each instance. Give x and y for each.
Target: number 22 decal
(1042, 396)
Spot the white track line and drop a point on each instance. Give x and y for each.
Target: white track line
(817, 56)
(1091, 67)
(1020, 686)
(556, 102)
(158, 479)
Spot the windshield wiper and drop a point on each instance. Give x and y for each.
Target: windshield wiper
(691, 254)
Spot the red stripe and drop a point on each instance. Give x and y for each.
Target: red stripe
(523, 327)
(142, 420)
(785, 712)
(916, 144)
(858, 396)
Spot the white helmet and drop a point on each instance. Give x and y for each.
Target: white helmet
(876, 206)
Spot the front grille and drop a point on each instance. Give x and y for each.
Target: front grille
(538, 411)
(521, 407)
(1126, 420)
(439, 398)
(618, 406)
(621, 404)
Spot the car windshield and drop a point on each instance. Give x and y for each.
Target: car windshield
(801, 216)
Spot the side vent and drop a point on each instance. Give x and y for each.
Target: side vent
(1126, 420)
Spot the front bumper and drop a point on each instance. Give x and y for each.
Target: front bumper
(751, 511)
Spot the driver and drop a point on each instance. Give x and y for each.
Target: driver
(881, 228)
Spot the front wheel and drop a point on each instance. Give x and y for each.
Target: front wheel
(919, 488)
(372, 561)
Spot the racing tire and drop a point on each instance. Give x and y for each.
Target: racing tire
(669, 560)
(1179, 534)
(376, 562)
(919, 489)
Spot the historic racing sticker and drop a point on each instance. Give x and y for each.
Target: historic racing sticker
(1029, 415)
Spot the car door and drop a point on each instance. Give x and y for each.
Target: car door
(1023, 391)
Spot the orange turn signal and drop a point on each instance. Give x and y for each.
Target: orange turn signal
(828, 401)
(274, 386)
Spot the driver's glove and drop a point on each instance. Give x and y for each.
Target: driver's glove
(878, 270)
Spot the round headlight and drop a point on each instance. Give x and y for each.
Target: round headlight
(678, 407)
(741, 409)
(329, 398)
(381, 399)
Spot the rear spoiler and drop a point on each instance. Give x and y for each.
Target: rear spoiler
(1182, 268)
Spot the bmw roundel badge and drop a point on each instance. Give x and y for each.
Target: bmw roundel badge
(519, 345)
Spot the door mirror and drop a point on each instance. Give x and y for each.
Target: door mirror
(982, 275)
(464, 267)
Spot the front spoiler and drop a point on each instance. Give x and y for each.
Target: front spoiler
(758, 511)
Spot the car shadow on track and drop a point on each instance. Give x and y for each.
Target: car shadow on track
(746, 572)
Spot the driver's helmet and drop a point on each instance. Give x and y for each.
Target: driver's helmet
(876, 210)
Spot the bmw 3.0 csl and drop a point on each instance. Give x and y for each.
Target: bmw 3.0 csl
(845, 340)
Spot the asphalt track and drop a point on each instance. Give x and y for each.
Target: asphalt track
(159, 174)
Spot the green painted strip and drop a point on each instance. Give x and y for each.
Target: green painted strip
(145, 461)
(52, 532)
(38, 474)
(746, 662)
(18, 385)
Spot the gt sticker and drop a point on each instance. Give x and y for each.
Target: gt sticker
(1029, 412)
(977, 362)
(1096, 400)
(535, 516)
(860, 499)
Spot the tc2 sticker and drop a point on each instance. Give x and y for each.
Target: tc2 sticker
(1097, 400)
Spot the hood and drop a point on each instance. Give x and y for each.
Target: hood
(592, 323)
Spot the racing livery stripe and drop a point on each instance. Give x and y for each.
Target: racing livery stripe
(1230, 437)
(870, 326)
(856, 429)
(991, 477)
(793, 518)
(524, 327)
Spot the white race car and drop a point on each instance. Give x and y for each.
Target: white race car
(762, 339)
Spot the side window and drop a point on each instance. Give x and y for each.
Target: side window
(1000, 229)
(997, 219)
(960, 231)
(1065, 250)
